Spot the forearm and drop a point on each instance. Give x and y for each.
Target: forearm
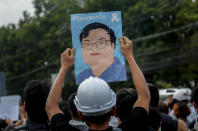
(52, 104)
(140, 84)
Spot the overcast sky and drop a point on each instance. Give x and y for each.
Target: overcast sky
(12, 10)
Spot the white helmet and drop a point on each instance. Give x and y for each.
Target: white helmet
(94, 97)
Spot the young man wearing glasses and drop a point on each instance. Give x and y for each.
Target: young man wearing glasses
(98, 44)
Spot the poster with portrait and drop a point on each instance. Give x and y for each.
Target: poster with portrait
(95, 37)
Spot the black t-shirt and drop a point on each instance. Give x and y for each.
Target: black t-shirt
(168, 124)
(137, 121)
(60, 123)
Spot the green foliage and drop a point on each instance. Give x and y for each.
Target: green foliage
(163, 84)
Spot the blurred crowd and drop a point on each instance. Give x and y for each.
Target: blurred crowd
(177, 113)
(95, 106)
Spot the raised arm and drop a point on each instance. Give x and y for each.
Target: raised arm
(67, 60)
(137, 75)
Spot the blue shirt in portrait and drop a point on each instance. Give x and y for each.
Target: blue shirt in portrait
(115, 72)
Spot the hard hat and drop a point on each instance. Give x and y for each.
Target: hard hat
(182, 94)
(94, 97)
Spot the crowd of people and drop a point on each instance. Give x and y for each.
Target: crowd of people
(95, 106)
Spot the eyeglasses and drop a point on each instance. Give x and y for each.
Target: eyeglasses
(99, 44)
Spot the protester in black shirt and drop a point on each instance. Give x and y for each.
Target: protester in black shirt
(92, 89)
(35, 96)
(126, 98)
(168, 124)
(155, 119)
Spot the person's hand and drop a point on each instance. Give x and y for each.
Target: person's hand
(126, 46)
(67, 58)
(22, 113)
(181, 126)
(9, 122)
(19, 122)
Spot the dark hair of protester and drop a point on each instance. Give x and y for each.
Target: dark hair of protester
(35, 96)
(182, 111)
(163, 108)
(85, 31)
(154, 95)
(171, 104)
(72, 107)
(2, 124)
(126, 98)
(168, 124)
(65, 109)
(100, 119)
(154, 118)
(194, 95)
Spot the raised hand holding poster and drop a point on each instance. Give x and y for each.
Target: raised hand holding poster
(95, 37)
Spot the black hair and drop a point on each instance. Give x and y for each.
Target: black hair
(154, 92)
(163, 108)
(183, 108)
(35, 96)
(126, 98)
(99, 120)
(3, 124)
(72, 107)
(154, 118)
(63, 105)
(174, 101)
(194, 95)
(171, 104)
(85, 31)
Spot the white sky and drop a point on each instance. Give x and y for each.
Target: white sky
(12, 10)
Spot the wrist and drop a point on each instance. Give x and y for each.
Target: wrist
(130, 57)
(64, 68)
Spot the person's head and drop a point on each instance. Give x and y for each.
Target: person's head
(64, 106)
(95, 101)
(98, 42)
(126, 98)
(3, 124)
(155, 119)
(35, 96)
(163, 108)
(72, 107)
(179, 103)
(154, 92)
(194, 97)
(181, 109)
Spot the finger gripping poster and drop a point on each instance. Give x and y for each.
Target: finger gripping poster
(95, 37)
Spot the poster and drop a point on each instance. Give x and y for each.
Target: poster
(95, 37)
(9, 107)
